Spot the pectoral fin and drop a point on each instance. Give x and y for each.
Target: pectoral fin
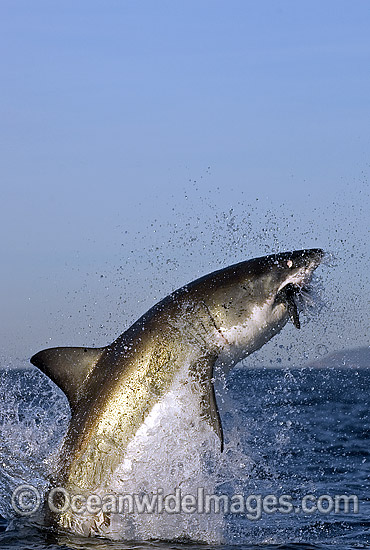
(211, 413)
(202, 372)
(69, 368)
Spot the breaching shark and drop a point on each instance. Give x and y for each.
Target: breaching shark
(215, 321)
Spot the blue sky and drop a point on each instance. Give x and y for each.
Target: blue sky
(130, 129)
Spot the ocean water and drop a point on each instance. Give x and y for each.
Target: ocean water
(294, 432)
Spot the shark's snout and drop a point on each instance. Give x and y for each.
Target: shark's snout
(302, 264)
(308, 258)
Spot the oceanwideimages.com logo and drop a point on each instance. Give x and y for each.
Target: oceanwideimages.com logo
(26, 501)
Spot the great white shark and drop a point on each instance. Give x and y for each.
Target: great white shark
(215, 321)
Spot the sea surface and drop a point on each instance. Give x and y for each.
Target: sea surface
(296, 432)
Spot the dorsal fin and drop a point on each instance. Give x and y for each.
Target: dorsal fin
(69, 368)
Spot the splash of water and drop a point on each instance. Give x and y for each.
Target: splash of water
(173, 450)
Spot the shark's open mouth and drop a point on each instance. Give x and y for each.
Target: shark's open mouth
(294, 297)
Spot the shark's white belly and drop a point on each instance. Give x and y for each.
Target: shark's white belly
(168, 453)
